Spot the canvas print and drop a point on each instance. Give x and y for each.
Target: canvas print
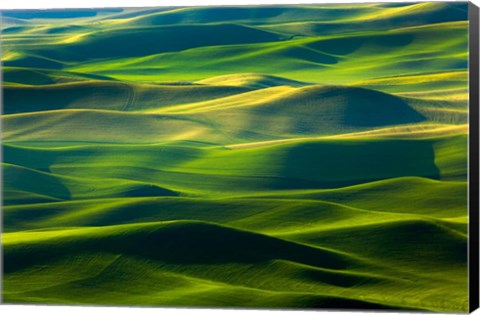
(291, 156)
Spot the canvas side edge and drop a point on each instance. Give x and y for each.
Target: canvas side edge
(473, 157)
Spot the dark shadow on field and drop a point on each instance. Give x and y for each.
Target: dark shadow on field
(340, 46)
(336, 303)
(58, 13)
(181, 242)
(26, 182)
(24, 76)
(30, 173)
(331, 164)
(328, 110)
(369, 108)
(80, 95)
(40, 160)
(147, 41)
(416, 244)
(34, 62)
(147, 190)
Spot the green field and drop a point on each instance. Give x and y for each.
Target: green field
(303, 156)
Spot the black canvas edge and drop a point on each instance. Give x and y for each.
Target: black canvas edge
(474, 219)
(473, 146)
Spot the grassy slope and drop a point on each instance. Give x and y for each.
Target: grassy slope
(260, 115)
(232, 248)
(20, 76)
(168, 113)
(311, 59)
(413, 50)
(261, 188)
(108, 96)
(361, 209)
(151, 40)
(375, 16)
(267, 167)
(251, 80)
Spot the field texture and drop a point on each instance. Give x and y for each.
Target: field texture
(299, 156)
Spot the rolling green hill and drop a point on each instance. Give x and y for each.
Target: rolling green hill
(320, 59)
(23, 76)
(267, 249)
(145, 41)
(251, 80)
(267, 114)
(383, 16)
(108, 96)
(298, 156)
